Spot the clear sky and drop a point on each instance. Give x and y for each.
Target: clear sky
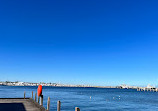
(96, 42)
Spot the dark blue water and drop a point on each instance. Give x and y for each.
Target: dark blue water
(89, 99)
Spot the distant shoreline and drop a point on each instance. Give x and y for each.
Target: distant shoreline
(68, 86)
(17, 83)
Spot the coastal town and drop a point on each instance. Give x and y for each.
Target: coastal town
(18, 83)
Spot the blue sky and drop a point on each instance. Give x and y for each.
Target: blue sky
(96, 42)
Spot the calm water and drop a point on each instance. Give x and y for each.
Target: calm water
(90, 99)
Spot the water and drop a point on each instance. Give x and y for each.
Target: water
(89, 99)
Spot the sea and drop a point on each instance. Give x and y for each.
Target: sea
(88, 99)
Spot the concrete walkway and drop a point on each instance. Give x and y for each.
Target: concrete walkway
(19, 104)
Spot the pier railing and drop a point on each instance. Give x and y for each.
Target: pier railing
(147, 89)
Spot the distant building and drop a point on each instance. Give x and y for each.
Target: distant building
(124, 86)
(149, 86)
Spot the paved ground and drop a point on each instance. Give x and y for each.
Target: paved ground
(19, 104)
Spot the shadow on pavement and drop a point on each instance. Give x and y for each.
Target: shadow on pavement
(12, 107)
